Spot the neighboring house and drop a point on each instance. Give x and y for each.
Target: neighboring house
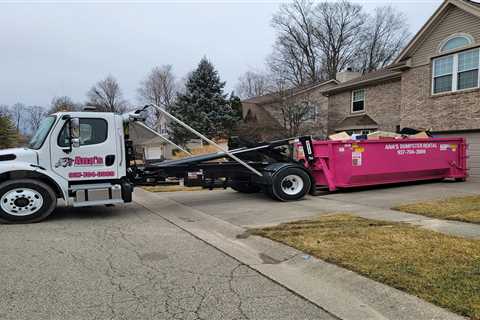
(148, 145)
(266, 113)
(434, 84)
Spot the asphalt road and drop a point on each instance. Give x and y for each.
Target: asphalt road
(128, 263)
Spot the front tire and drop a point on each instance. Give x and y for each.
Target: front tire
(290, 184)
(25, 201)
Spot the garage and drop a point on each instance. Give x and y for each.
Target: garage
(473, 141)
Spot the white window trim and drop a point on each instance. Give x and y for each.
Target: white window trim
(470, 39)
(364, 101)
(454, 73)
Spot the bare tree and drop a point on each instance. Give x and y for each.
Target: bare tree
(106, 96)
(35, 115)
(383, 36)
(18, 115)
(317, 40)
(62, 103)
(338, 25)
(295, 117)
(296, 56)
(4, 110)
(159, 88)
(252, 84)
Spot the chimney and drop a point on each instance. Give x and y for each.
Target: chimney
(347, 75)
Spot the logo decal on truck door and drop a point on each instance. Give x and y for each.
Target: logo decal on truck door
(79, 162)
(64, 162)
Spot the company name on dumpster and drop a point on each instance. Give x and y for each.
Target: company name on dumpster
(411, 148)
(399, 146)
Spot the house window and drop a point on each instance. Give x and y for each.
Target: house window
(468, 62)
(358, 100)
(457, 71)
(309, 110)
(312, 112)
(455, 42)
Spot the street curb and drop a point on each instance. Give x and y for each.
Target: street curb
(340, 292)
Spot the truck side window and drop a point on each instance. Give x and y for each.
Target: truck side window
(92, 131)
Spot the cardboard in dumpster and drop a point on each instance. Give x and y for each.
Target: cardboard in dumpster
(339, 136)
(383, 135)
(420, 135)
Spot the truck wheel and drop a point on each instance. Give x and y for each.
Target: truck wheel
(25, 201)
(245, 187)
(290, 184)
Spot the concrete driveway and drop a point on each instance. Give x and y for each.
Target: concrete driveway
(128, 263)
(254, 210)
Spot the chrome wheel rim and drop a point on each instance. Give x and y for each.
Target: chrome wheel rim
(292, 184)
(21, 202)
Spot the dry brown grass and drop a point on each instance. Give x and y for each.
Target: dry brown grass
(444, 270)
(197, 151)
(465, 209)
(171, 188)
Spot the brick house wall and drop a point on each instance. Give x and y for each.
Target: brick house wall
(382, 104)
(440, 112)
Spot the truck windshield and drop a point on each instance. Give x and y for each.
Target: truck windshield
(42, 132)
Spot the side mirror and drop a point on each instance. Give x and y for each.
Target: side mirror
(75, 132)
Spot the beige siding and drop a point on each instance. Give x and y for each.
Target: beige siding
(382, 104)
(454, 21)
(473, 162)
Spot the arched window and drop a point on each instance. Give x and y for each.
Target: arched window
(455, 42)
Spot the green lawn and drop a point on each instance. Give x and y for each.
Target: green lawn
(441, 269)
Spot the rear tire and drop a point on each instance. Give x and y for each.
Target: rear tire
(25, 201)
(290, 184)
(245, 187)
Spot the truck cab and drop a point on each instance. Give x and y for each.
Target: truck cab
(75, 156)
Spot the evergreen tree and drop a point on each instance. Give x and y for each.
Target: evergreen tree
(8, 135)
(236, 105)
(203, 106)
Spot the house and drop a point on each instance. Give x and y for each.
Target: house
(433, 84)
(148, 145)
(266, 113)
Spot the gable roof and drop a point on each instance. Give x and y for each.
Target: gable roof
(466, 5)
(291, 92)
(356, 122)
(367, 78)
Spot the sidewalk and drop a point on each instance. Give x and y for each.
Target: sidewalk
(343, 293)
(454, 228)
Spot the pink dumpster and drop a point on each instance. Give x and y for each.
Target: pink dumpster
(352, 163)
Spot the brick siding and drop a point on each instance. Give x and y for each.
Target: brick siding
(442, 112)
(382, 104)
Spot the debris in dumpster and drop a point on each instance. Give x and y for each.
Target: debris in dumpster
(339, 136)
(420, 135)
(383, 135)
(412, 131)
(357, 136)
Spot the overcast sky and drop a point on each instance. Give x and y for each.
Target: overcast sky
(59, 48)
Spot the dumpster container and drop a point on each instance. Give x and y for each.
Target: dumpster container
(344, 164)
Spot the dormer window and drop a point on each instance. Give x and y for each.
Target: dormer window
(456, 41)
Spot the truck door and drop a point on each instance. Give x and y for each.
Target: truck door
(96, 156)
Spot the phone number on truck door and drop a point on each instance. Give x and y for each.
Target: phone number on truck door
(91, 174)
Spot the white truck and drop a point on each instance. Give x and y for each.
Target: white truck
(87, 159)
